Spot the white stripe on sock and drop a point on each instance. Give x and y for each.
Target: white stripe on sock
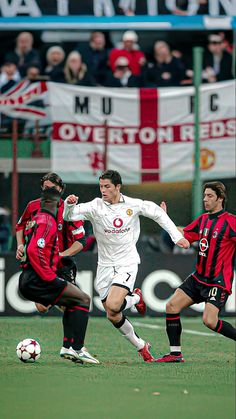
(175, 348)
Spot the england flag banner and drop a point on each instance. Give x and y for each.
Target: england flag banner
(145, 134)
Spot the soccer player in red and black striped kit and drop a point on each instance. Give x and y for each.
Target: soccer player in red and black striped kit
(39, 281)
(71, 241)
(211, 282)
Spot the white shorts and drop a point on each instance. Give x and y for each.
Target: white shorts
(123, 276)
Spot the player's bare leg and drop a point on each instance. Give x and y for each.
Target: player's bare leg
(113, 307)
(176, 304)
(210, 316)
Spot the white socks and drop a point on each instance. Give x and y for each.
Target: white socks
(131, 300)
(128, 332)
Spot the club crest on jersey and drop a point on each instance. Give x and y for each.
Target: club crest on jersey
(215, 234)
(59, 227)
(118, 222)
(129, 212)
(203, 244)
(41, 243)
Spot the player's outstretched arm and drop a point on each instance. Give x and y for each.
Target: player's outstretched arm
(75, 248)
(69, 205)
(74, 211)
(20, 244)
(164, 207)
(184, 243)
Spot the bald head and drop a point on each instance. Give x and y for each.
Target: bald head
(161, 51)
(24, 41)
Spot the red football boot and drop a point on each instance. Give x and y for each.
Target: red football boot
(141, 306)
(171, 358)
(146, 354)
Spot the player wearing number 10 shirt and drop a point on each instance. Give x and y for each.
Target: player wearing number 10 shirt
(211, 282)
(115, 220)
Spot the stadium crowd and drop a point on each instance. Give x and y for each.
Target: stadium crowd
(97, 63)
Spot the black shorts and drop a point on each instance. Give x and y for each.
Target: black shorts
(204, 293)
(33, 288)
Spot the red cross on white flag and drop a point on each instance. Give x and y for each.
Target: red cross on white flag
(145, 134)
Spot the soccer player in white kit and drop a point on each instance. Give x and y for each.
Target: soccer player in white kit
(116, 226)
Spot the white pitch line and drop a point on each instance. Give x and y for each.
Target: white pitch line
(189, 331)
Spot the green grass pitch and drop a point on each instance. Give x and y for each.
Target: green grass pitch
(122, 386)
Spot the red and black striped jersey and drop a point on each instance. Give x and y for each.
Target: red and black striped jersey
(42, 251)
(216, 236)
(68, 231)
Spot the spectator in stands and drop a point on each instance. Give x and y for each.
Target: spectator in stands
(188, 71)
(24, 53)
(5, 229)
(122, 76)
(55, 62)
(227, 43)
(9, 76)
(129, 49)
(217, 63)
(96, 56)
(33, 73)
(76, 72)
(166, 71)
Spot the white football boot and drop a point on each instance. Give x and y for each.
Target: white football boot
(81, 356)
(65, 353)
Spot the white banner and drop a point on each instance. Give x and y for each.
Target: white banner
(145, 134)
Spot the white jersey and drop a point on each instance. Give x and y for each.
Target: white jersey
(117, 226)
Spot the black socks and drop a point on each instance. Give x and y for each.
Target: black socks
(173, 328)
(75, 321)
(226, 329)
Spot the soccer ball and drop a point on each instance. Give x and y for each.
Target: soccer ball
(28, 350)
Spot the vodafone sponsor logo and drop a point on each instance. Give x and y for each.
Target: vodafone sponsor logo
(118, 222)
(117, 231)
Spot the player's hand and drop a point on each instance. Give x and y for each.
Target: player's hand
(41, 308)
(72, 199)
(184, 243)
(20, 251)
(163, 206)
